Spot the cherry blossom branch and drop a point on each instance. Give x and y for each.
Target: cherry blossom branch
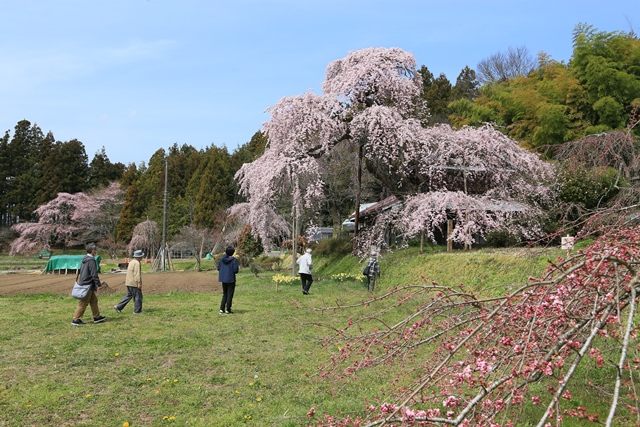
(623, 354)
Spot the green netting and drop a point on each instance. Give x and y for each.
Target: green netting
(67, 262)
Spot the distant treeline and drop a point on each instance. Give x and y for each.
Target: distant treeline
(542, 102)
(539, 102)
(34, 168)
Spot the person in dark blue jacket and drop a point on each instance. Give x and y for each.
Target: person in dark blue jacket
(227, 269)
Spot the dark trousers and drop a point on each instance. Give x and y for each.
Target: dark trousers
(227, 295)
(135, 294)
(306, 280)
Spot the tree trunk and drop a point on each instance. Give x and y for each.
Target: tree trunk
(337, 224)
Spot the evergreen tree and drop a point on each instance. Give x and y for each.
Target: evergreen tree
(47, 185)
(466, 85)
(131, 212)
(213, 187)
(73, 167)
(249, 151)
(437, 92)
(21, 179)
(102, 171)
(4, 181)
(130, 175)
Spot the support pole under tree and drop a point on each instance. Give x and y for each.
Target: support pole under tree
(356, 226)
(294, 240)
(449, 234)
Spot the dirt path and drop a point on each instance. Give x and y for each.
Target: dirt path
(154, 283)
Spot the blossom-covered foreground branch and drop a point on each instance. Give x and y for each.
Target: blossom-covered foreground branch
(480, 361)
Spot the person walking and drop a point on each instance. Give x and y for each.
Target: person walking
(372, 271)
(88, 276)
(228, 267)
(133, 282)
(304, 262)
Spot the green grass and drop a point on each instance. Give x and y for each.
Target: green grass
(17, 263)
(487, 271)
(181, 359)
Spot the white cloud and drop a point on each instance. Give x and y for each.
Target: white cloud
(24, 70)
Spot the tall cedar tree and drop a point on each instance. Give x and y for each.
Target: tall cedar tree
(437, 92)
(102, 171)
(466, 84)
(215, 188)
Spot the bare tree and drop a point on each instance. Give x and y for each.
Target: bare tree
(146, 236)
(194, 239)
(503, 66)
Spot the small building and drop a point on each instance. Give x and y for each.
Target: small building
(371, 210)
(349, 223)
(321, 233)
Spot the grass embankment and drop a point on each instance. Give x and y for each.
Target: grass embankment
(181, 363)
(486, 271)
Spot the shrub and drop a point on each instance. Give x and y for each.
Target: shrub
(500, 239)
(248, 245)
(339, 246)
(588, 187)
(268, 263)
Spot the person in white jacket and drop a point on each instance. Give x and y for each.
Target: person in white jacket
(304, 261)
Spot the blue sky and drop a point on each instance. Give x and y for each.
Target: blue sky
(138, 75)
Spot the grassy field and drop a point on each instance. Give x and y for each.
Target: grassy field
(182, 363)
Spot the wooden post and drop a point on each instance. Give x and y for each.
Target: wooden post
(449, 233)
(422, 241)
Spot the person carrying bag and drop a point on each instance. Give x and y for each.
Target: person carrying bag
(88, 278)
(79, 291)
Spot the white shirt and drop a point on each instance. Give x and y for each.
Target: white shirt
(305, 264)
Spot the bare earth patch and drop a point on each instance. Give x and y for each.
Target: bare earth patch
(153, 283)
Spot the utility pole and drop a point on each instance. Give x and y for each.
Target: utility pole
(163, 254)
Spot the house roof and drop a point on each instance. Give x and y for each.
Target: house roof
(391, 202)
(381, 206)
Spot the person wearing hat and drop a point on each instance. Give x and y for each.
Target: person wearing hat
(372, 271)
(228, 267)
(305, 271)
(134, 284)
